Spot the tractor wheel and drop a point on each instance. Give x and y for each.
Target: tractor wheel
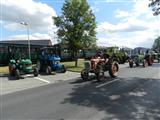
(137, 64)
(63, 69)
(150, 61)
(38, 65)
(145, 63)
(84, 74)
(100, 76)
(35, 72)
(48, 70)
(17, 74)
(113, 70)
(131, 64)
(11, 70)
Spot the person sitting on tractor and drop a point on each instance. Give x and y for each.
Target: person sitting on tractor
(17, 64)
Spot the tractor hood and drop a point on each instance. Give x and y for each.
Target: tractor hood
(54, 58)
(26, 61)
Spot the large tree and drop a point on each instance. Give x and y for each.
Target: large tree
(76, 26)
(156, 44)
(155, 4)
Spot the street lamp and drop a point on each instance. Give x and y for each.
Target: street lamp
(27, 25)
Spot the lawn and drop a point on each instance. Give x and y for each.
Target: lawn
(71, 65)
(4, 70)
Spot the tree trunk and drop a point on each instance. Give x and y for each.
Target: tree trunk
(76, 59)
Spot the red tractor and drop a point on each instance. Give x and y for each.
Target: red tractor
(99, 65)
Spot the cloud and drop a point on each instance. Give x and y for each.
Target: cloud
(121, 13)
(37, 14)
(136, 27)
(128, 26)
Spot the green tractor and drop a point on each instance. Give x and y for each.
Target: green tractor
(21, 67)
(137, 59)
(118, 55)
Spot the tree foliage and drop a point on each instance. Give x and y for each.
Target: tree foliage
(155, 4)
(156, 44)
(76, 26)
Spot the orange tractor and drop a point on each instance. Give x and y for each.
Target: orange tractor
(99, 65)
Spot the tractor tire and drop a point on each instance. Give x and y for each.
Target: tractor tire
(137, 64)
(12, 70)
(17, 74)
(150, 61)
(100, 76)
(63, 69)
(84, 74)
(35, 72)
(145, 63)
(131, 64)
(114, 69)
(48, 70)
(38, 65)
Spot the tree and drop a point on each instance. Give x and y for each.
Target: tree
(76, 26)
(155, 4)
(156, 44)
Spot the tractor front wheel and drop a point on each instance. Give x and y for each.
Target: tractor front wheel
(63, 69)
(35, 72)
(17, 74)
(131, 64)
(114, 69)
(48, 70)
(84, 74)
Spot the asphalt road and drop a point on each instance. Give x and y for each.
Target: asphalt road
(134, 95)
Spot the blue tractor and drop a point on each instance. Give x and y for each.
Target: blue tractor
(50, 61)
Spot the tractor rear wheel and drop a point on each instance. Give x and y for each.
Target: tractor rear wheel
(35, 72)
(113, 70)
(48, 70)
(84, 74)
(12, 70)
(17, 74)
(131, 64)
(145, 63)
(63, 69)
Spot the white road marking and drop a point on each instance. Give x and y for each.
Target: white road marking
(42, 79)
(107, 83)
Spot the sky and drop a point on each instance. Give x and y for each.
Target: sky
(123, 23)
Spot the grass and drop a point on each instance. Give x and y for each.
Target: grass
(71, 65)
(4, 70)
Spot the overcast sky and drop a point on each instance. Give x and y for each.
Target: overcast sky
(127, 23)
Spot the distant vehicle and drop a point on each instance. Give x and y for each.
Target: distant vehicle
(49, 61)
(138, 60)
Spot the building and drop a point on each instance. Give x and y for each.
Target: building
(41, 42)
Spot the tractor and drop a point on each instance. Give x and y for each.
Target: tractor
(49, 61)
(119, 55)
(21, 67)
(137, 59)
(99, 65)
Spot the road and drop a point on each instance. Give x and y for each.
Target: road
(134, 95)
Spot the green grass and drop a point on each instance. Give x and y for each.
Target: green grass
(71, 65)
(4, 70)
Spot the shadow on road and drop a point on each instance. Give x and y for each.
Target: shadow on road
(131, 98)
